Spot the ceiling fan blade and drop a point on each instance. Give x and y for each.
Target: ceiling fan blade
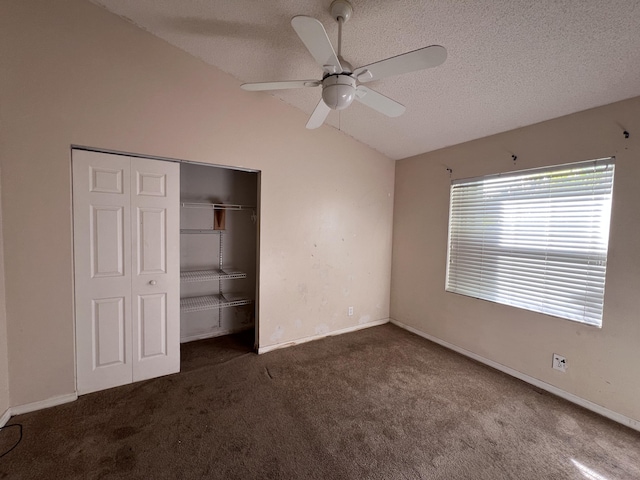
(427, 57)
(280, 85)
(319, 115)
(379, 102)
(315, 38)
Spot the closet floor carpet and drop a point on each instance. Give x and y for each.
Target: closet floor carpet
(380, 403)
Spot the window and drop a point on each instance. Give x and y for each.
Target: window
(534, 239)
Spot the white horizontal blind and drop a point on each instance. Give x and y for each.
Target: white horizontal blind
(535, 239)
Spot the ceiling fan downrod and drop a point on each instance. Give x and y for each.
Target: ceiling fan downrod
(341, 11)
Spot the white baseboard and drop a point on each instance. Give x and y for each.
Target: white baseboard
(594, 407)
(6, 416)
(277, 346)
(49, 402)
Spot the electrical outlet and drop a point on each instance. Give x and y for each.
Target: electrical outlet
(350, 312)
(559, 363)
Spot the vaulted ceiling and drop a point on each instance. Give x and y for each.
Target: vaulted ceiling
(510, 63)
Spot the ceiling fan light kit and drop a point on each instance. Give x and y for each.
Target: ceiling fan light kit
(341, 82)
(338, 91)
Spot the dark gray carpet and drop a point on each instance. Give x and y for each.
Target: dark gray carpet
(380, 403)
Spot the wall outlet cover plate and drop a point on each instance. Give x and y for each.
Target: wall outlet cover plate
(559, 363)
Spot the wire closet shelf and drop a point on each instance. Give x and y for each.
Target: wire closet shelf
(210, 275)
(210, 302)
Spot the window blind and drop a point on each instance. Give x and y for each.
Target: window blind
(534, 239)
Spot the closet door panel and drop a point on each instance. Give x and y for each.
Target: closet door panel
(108, 332)
(102, 235)
(153, 325)
(152, 241)
(107, 240)
(156, 257)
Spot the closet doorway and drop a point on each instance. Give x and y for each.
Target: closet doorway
(165, 252)
(218, 251)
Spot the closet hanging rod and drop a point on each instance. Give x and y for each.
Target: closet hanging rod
(217, 206)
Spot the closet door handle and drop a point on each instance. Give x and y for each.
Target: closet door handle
(153, 282)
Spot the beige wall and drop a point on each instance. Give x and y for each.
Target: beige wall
(604, 364)
(4, 358)
(73, 73)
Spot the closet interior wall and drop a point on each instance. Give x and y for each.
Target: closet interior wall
(218, 185)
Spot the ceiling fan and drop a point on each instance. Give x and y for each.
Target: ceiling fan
(341, 83)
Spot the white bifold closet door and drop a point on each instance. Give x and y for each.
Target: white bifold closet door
(127, 269)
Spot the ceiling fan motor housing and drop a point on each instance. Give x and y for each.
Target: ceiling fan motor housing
(338, 91)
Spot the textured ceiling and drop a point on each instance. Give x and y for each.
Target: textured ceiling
(510, 63)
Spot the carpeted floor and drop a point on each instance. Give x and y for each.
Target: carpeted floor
(380, 403)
